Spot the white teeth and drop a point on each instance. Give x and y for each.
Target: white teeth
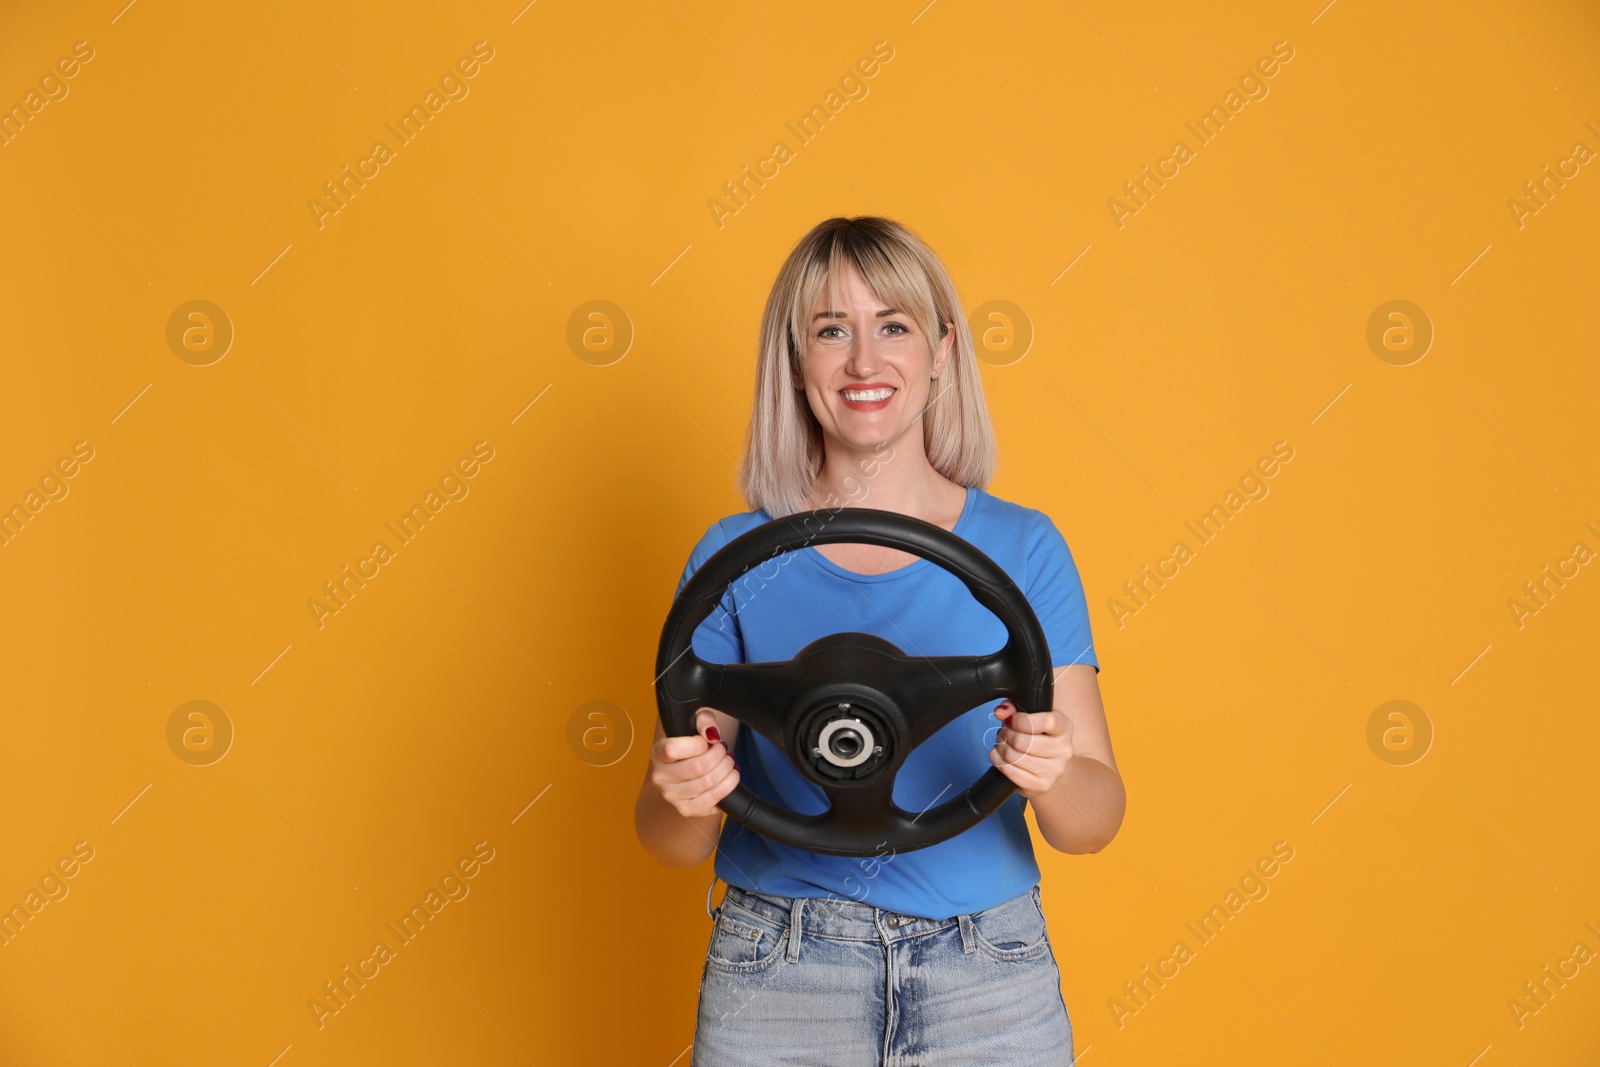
(868, 395)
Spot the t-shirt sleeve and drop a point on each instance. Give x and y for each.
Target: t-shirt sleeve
(717, 639)
(1055, 592)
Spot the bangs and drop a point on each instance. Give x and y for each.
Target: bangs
(897, 281)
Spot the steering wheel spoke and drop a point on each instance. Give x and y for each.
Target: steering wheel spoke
(935, 690)
(861, 812)
(753, 693)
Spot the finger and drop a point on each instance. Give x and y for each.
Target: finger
(682, 748)
(1034, 762)
(724, 781)
(1014, 717)
(705, 724)
(678, 765)
(1019, 774)
(1042, 746)
(1011, 738)
(666, 751)
(708, 781)
(695, 781)
(707, 765)
(1036, 722)
(1013, 747)
(706, 803)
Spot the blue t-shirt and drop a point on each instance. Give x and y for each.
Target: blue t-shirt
(777, 608)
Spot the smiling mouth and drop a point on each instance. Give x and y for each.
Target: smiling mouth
(866, 396)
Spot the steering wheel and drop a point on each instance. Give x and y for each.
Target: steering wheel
(849, 707)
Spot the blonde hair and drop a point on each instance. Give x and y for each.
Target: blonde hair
(784, 445)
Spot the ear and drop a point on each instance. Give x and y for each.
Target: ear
(947, 341)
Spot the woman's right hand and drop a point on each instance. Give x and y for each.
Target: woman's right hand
(693, 773)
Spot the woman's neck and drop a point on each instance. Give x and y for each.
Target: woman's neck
(903, 483)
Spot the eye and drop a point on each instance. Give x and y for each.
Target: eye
(899, 330)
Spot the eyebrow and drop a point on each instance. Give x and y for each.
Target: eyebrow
(840, 314)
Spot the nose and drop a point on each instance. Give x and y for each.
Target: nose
(864, 360)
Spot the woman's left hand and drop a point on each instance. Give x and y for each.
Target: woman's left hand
(1032, 748)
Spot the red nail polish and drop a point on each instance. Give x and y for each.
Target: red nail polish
(712, 734)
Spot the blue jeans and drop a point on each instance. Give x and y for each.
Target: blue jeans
(840, 983)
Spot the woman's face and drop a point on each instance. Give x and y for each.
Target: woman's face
(868, 367)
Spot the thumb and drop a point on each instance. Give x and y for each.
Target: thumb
(705, 724)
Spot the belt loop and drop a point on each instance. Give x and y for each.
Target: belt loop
(965, 922)
(709, 888)
(794, 928)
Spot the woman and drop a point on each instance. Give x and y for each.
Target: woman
(867, 391)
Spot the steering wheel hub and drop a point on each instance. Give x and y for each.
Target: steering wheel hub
(846, 742)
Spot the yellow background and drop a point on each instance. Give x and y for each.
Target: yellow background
(369, 354)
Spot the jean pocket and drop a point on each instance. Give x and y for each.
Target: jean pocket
(1013, 931)
(743, 942)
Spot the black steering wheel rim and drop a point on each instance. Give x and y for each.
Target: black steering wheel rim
(796, 702)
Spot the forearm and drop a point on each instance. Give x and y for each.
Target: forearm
(670, 838)
(1082, 812)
